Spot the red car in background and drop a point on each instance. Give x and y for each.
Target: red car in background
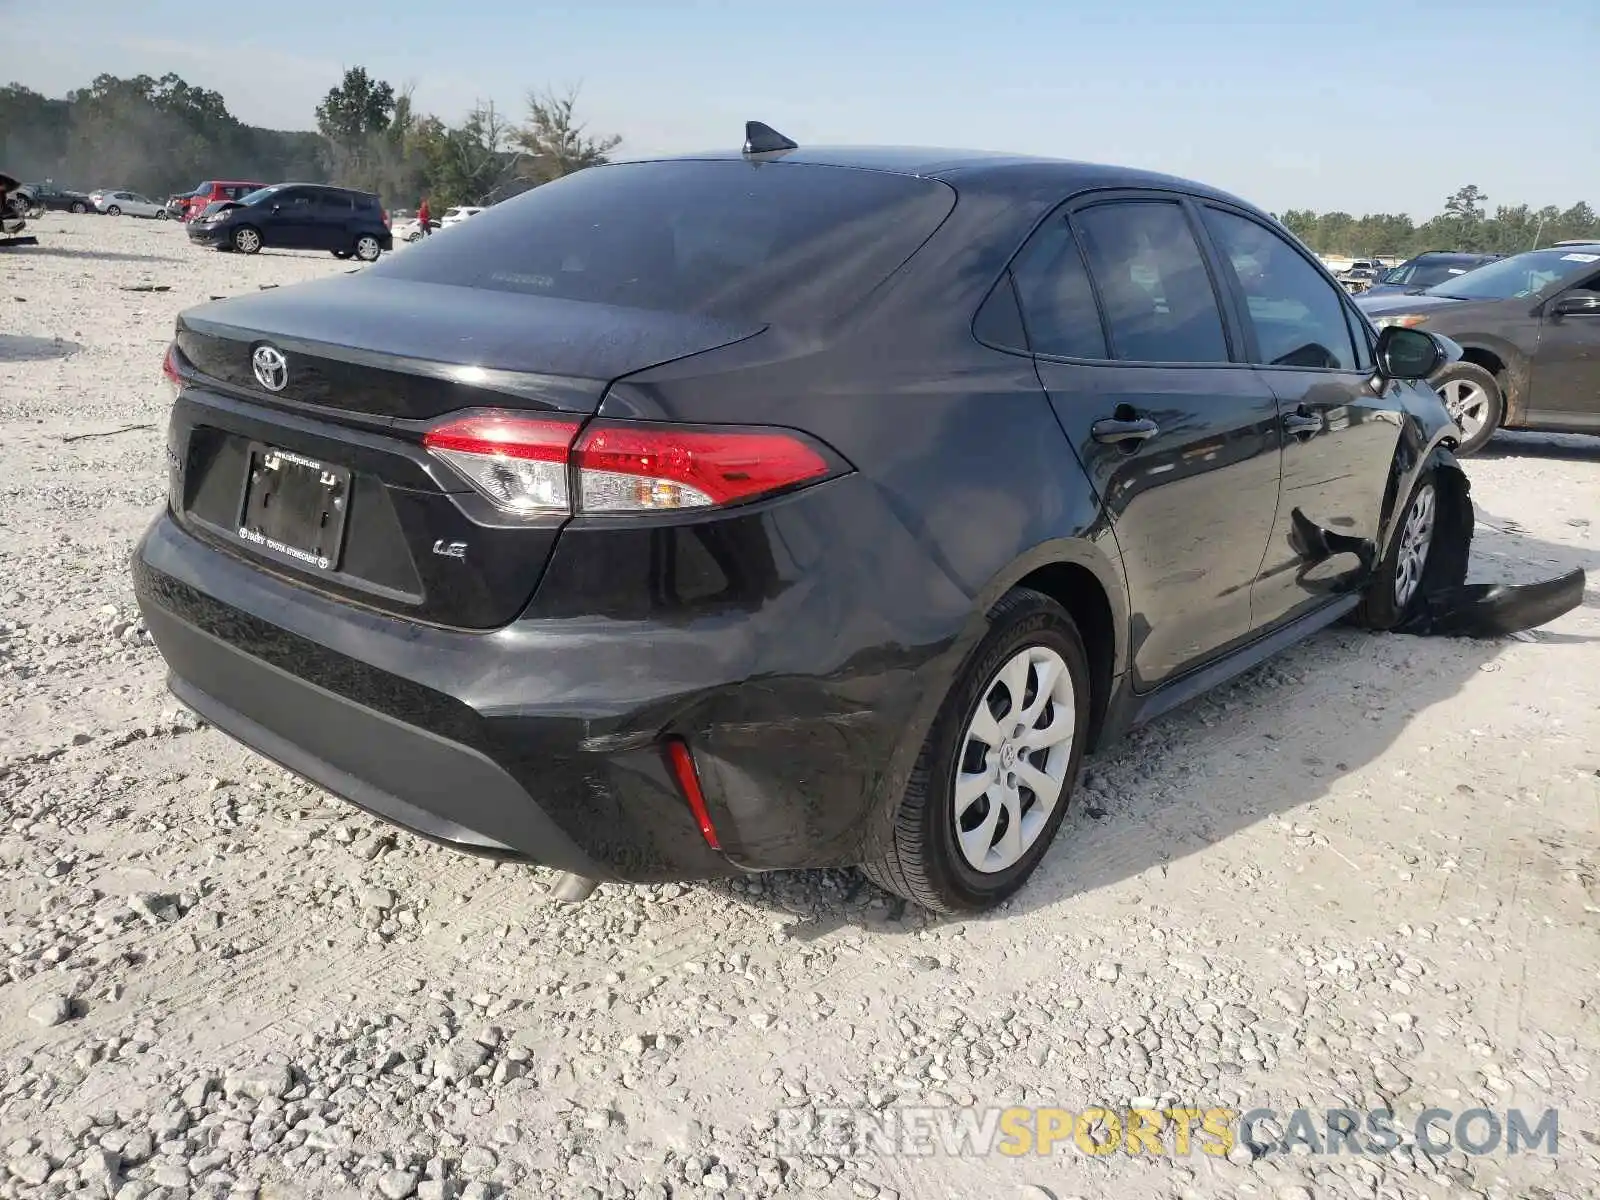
(215, 190)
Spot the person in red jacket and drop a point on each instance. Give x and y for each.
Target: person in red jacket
(423, 216)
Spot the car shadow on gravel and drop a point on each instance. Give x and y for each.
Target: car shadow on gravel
(101, 255)
(1257, 749)
(19, 348)
(1514, 444)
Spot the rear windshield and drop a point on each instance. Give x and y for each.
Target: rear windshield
(779, 242)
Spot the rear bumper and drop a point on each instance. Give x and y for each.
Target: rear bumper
(543, 741)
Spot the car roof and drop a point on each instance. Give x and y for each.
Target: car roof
(989, 167)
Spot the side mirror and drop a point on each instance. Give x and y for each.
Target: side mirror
(1409, 353)
(1577, 304)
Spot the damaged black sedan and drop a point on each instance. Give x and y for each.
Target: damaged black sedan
(784, 508)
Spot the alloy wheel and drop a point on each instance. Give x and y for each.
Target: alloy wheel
(247, 240)
(367, 248)
(1467, 403)
(1014, 758)
(1416, 537)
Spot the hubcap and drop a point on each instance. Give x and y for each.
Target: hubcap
(1467, 403)
(367, 248)
(248, 240)
(1415, 539)
(1014, 759)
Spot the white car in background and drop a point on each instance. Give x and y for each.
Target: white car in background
(458, 214)
(119, 203)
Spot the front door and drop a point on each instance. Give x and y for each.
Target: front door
(1565, 391)
(1339, 429)
(289, 220)
(1180, 440)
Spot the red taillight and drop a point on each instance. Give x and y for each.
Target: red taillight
(170, 372)
(688, 777)
(523, 464)
(519, 463)
(641, 468)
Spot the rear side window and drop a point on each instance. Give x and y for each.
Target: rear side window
(1298, 316)
(1158, 299)
(334, 204)
(1057, 299)
(777, 241)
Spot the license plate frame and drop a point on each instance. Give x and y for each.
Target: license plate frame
(307, 526)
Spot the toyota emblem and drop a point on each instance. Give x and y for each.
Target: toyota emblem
(271, 368)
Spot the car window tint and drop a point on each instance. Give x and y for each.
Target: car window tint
(1158, 299)
(1299, 317)
(782, 242)
(999, 320)
(1363, 338)
(1057, 300)
(335, 204)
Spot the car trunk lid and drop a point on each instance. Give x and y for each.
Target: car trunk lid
(322, 477)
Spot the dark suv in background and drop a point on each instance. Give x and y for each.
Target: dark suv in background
(298, 216)
(1425, 270)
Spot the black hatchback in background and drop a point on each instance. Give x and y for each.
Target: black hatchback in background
(297, 216)
(792, 508)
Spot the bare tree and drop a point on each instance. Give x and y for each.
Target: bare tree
(554, 142)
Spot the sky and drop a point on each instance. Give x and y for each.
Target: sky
(1354, 105)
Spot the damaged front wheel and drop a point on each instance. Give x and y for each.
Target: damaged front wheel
(1428, 551)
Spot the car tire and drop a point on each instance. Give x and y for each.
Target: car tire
(246, 239)
(161, 214)
(78, 206)
(952, 847)
(368, 248)
(1438, 515)
(1475, 401)
(114, 211)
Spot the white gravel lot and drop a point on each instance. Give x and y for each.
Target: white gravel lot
(1365, 874)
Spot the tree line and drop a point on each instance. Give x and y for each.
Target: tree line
(1465, 224)
(164, 136)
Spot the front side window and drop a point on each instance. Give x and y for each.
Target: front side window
(1057, 300)
(1156, 293)
(1298, 316)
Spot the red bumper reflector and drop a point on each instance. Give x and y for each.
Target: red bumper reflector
(689, 780)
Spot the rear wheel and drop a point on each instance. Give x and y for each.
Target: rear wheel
(114, 211)
(246, 239)
(368, 248)
(161, 214)
(78, 206)
(1475, 402)
(992, 783)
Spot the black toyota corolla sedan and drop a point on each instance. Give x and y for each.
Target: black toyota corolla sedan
(783, 508)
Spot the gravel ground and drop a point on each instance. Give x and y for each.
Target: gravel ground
(1364, 875)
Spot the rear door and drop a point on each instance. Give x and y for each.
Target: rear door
(331, 214)
(1178, 436)
(1339, 433)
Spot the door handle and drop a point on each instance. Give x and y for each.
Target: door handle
(1302, 424)
(1119, 431)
